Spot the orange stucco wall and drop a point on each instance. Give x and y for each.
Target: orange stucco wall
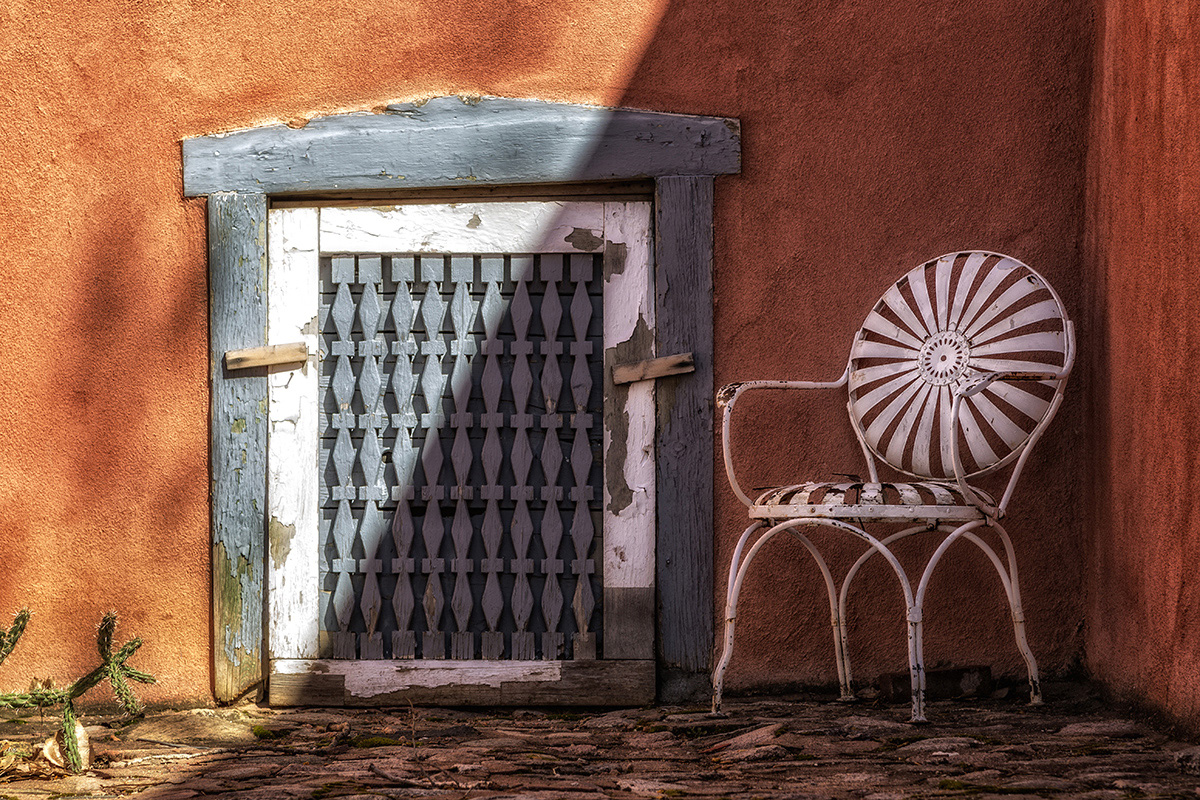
(876, 135)
(1143, 238)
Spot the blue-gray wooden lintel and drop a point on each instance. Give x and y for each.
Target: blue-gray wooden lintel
(447, 141)
(451, 142)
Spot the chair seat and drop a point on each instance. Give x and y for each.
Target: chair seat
(872, 502)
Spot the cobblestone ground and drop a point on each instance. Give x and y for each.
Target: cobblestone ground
(767, 747)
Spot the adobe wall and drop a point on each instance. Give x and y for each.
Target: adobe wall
(876, 135)
(1142, 239)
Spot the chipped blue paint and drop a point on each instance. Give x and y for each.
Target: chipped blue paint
(237, 319)
(446, 141)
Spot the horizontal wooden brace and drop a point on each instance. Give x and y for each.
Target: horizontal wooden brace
(678, 364)
(267, 355)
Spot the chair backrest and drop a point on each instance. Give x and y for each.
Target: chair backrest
(939, 327)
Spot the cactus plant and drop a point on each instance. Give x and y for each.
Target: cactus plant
(113, 667)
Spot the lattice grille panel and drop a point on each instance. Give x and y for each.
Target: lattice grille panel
(461, 432)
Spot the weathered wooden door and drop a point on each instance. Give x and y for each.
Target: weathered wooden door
(460, 500)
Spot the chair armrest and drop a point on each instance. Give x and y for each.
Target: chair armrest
(728, 395)
(977, 385)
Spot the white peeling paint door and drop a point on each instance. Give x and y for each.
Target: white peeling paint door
(460, 500)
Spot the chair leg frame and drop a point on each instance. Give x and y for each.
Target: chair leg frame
(741, 562)
(914, 602)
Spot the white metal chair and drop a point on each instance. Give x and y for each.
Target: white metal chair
(954, 375)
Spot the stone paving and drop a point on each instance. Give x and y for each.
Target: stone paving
(795, 746)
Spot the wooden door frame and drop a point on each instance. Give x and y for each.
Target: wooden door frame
(446, 143)
(305, 666)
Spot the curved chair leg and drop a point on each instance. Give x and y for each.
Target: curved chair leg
(842, 615)
(916, 672)
(919, 601)
(739, 567)
(718, 680)
(847, 694)
(1018, 617)
(915, 661)
(1013, 593)
(1009, 581)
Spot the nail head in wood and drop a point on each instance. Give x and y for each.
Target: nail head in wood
(678, 364)
(267, 355)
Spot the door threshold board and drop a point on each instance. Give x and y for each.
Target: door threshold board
(337, 682)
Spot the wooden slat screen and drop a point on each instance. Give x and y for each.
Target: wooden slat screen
(460, 452)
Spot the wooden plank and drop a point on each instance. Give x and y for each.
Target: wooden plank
(629, 613)
(463, 312)
(683, 287)
(492, 310)
(594, 190)
(447, 142)
(499, 227)
(581, 271)
(629, 455)
(374, 524)
(292, 497)
(550, 532)
(650, 369)
(306, 689)
(266, 356)
(521, 458)
(432, 386)
(237, 319)
(619, 682)
(341, 562)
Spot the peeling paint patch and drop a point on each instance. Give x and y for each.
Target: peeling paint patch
(229, 605)
(726, 393)
(616, 419)
(620, 495)
(583, 239)
(615, 255)
(238, 426)
(237, 628)
(280, 538)
(474, 222)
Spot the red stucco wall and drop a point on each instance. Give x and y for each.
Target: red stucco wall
(876, 134)
(1143, 238)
